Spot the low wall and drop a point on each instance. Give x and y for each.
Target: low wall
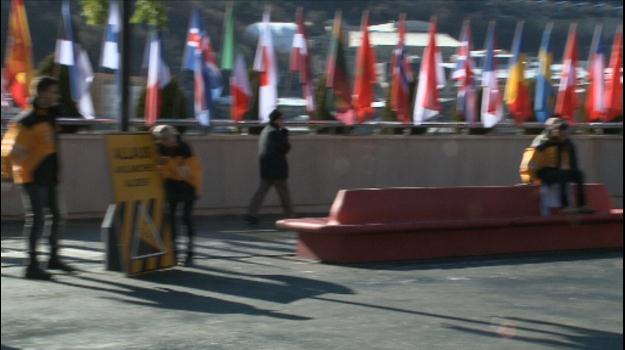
(320, 165)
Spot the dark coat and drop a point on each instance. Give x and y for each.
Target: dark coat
(273, 146)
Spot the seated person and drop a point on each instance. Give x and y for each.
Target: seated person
(554, 161)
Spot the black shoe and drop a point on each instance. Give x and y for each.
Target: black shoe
(188, 262)
(56, 264)
(251, 220)
(34, 272)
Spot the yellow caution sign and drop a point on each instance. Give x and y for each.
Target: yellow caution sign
(143, 238)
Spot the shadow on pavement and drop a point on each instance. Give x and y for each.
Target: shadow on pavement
(569, 337)
(170, 299)
(275, 288)
(494, 260)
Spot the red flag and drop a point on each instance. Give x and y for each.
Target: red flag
(300, 61)
(566, 102)
(365, 74)
(430, 78)
(240, 90)
(158, 78)
(614, 86)
(402, 76)
(19, 55)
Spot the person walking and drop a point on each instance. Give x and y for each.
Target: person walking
(273, 147)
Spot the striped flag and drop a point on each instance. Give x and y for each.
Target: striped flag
(614, 86)
(431, 78)
(492, 111)
(337, 84)
(158, 78)
(401, 70)
(110, 48)
(18, 62)
(566, 102)
(265, 63)
(69, 53)
(517, 91)
(544, 92)
(365, 77)
(595, 93)
(300, 61)
(200, 58)
(467, 96)
(240, 90)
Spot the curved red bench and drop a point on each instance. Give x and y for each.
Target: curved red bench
(422, 223)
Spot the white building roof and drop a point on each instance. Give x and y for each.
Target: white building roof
(384, 38)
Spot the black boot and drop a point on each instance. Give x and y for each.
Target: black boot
(34, 272)
(188, 261)
(56, 264)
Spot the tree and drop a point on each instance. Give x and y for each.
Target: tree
(149, 12)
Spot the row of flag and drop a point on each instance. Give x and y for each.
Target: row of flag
(603, 99)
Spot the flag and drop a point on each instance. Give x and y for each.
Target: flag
(430, 80)
(337, 84)
(110, 48)
(595, 93)
(492, 112)
(69, 53)
(466, 103)
(227, 44)
(566, 102)
(401, 71)
(265, 63)
(517, 91)
(200, 58)
(365, 77)
(544, 92)
(158, 78)
(18, 61)
(300, 61)
(614, 86)
(240, 90)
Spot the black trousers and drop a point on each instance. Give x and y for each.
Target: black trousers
(551, 176)
(37, 197)
(283, 192)
(187, 211)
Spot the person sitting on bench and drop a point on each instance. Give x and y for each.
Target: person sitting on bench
(555, 162)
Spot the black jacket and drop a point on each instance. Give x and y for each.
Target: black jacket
(273, 146)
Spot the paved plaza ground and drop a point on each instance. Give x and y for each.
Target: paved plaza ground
(249, 291)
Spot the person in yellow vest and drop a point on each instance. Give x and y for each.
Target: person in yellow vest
(29, 149)
(555, 162)
(182, 176)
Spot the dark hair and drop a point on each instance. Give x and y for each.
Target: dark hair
(274, 115)
(44, 82)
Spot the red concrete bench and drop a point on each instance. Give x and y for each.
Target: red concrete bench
(423, 223)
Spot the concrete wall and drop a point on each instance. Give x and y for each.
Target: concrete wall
(321, 165)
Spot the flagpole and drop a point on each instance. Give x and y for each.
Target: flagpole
(124, 67)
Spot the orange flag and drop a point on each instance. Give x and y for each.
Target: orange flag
(19, 55)
(365, 74)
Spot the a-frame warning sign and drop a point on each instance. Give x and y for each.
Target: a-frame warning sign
(138, 239)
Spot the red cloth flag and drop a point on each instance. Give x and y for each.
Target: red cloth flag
(18, 61)
(300, 61)
(401, 76)
(567, 103)
(614, 86)
(240, 90)
(365, 74)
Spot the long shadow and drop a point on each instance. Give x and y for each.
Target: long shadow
(274, 288)
(170, 299)
(584, 336)
(593, 339)
(491, 260)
